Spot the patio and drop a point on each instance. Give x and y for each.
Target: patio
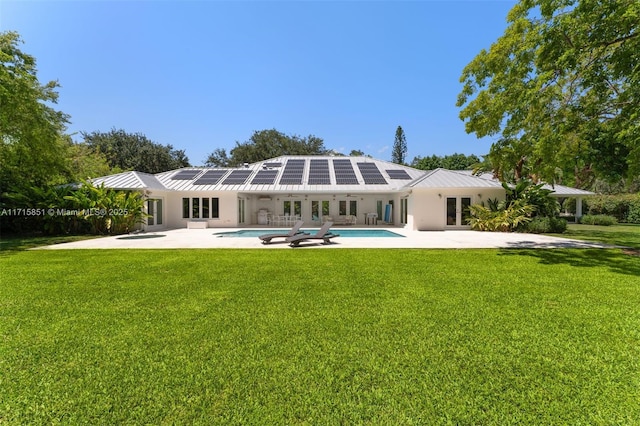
(206, 238)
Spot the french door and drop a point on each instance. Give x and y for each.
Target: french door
(154, 210)
(319, 208)
(457, 211)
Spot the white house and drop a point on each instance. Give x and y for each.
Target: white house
(350, 190)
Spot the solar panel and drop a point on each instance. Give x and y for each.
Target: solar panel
(272, 165)
(237, 177)
(398, 174)
(293, 171)
(343, 170)
(186, 174)
(371, 174)
(319, 173)
(210, 177)
(265, 177)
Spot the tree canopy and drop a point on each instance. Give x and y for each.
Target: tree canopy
(399, 151)
(561, 91)
(266, 144)
(32, 146)
(450, 162)
(134, 151)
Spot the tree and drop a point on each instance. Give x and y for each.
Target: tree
(399, 147)
(218, 158)
(134, 151)
(266, 144)
(561, 89)
(451, 162)
(32, 146)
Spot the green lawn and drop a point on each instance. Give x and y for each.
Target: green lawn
(624, 234)
(320, 337)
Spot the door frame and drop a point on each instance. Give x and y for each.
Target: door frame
(155, 217)
(458, 219)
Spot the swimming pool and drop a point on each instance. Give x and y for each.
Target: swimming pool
(347, 233)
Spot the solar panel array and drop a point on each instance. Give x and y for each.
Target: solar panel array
(398, 174)
(237, 177)
(319, 173)
(345, 175)
(210, 177)
(293, 172)
(371, 174)
(186, 174)
(265, 177)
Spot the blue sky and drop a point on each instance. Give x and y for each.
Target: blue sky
(201, 75)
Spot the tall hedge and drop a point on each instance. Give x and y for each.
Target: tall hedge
(624, 207)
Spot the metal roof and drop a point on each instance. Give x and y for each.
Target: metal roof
(443, 178)
(388, 177)
(558, 190)
(129, 180)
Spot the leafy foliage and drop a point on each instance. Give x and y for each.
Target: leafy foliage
(598, 219)
(108, 210)
(523, 202)
(509, 218)
(32, 148)
(265, 144)
(134, 151)
(399, 151)
(68, 210)
(451, 162)
(624, 207)
(533, 194)
(547, 225)
(561, 88)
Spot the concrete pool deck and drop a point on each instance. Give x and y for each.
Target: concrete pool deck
(206, 238)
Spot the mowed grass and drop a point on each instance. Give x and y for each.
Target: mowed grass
(627, 235)
(320, 337)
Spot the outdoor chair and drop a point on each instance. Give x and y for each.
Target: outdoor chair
(323, 234)
(266, 238)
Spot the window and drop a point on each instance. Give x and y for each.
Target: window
(353, 208)
(205, 208)
(185, 208)
(215, 208)
(195, 208)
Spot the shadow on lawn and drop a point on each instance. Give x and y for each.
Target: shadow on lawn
(620, 261)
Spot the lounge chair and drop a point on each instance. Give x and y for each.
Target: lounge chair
(323, 234)
(266, 238)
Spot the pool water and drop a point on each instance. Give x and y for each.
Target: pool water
(347, 233)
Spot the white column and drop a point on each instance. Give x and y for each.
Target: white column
(578, 208)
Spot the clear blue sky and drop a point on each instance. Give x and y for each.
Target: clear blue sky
(201, 75)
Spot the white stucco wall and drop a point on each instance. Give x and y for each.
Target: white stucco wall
(427, 206)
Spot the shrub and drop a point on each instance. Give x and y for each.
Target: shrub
(509, 219)
(547, 225)
(619, 206)
(633, 214)
(598, 219)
